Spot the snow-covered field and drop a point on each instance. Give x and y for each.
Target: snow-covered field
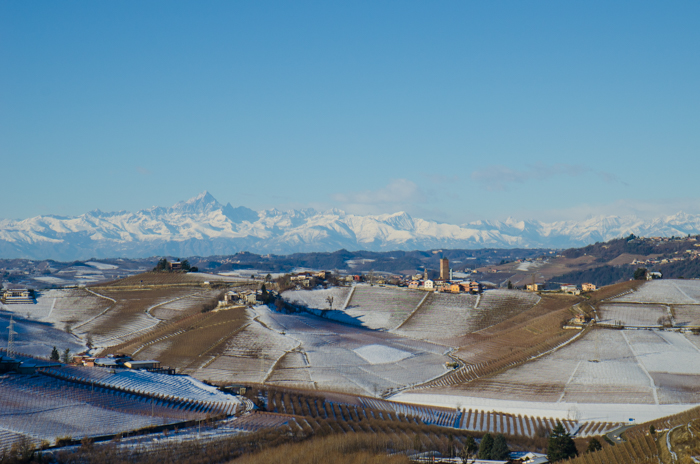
(416, 314)
(382, 307)
(341, 357)
(249, 355)
(179, 386)
(686, 315)
(316, 299)
(599, 412)
(183, 305)
(61, 307)
(443, 316)
(45, 407)
(634, 367)
(665, 292)
(129, 326)
(37, 338)
(633, 315)
(381, 354)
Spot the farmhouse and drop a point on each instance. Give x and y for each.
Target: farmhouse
(429, 285)
(535, 287)
(475, 287)
(249, 297)
(175, 265)
(300, 276)
(570, 288)
(18, 296)
(231, 297)
(588, 287)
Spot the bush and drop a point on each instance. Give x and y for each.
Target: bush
(64, 441)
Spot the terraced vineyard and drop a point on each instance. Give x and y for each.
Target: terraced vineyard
(686, 315)
(157, 279)
(382, 308)
(248, 356)
(633, 315)
(358, 409)
(187, 305)
(67, 306)
(664, 292)
(441, 317)
(196, 339)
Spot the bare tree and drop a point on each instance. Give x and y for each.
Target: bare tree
(329, 300)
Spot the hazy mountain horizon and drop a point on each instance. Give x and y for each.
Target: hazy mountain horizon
(203, 226)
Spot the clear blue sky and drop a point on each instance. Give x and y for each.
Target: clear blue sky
(453, 111)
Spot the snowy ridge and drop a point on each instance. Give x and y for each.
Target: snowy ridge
(203, 226)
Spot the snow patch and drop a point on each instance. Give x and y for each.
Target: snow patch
(101, 266)
(381, 354)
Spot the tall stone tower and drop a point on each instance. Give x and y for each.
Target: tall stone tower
(444, 269)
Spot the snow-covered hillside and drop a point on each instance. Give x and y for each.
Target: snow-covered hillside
(203, 226)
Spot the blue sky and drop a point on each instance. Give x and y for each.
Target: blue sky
(452, 111)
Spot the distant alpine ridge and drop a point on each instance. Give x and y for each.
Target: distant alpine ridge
(201, 226)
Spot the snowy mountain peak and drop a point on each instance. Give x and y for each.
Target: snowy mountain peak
(203, 226)
(202, 203)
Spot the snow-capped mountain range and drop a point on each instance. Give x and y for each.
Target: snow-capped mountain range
(202, 226)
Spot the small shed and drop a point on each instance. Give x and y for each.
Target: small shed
(150, 364)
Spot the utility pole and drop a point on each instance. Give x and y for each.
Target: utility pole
(11, 338)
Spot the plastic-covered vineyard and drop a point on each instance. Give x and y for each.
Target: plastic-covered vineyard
(79, 402)
(175, 391)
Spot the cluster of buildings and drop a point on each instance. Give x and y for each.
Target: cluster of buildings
(242, 297)
(445, 283)
(245, 297)
(693, 253)
(309, 279)
(121, 361)
(564, 288)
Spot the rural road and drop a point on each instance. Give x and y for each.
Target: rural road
(614, 435)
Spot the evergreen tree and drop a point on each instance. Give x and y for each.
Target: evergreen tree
(593, 445)
(55, 356)
(486, 447)
(162, 265)
(560, 445)
(186, 266)
(66, 357)
(264, 294)
(500, 450)
(468, 450)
